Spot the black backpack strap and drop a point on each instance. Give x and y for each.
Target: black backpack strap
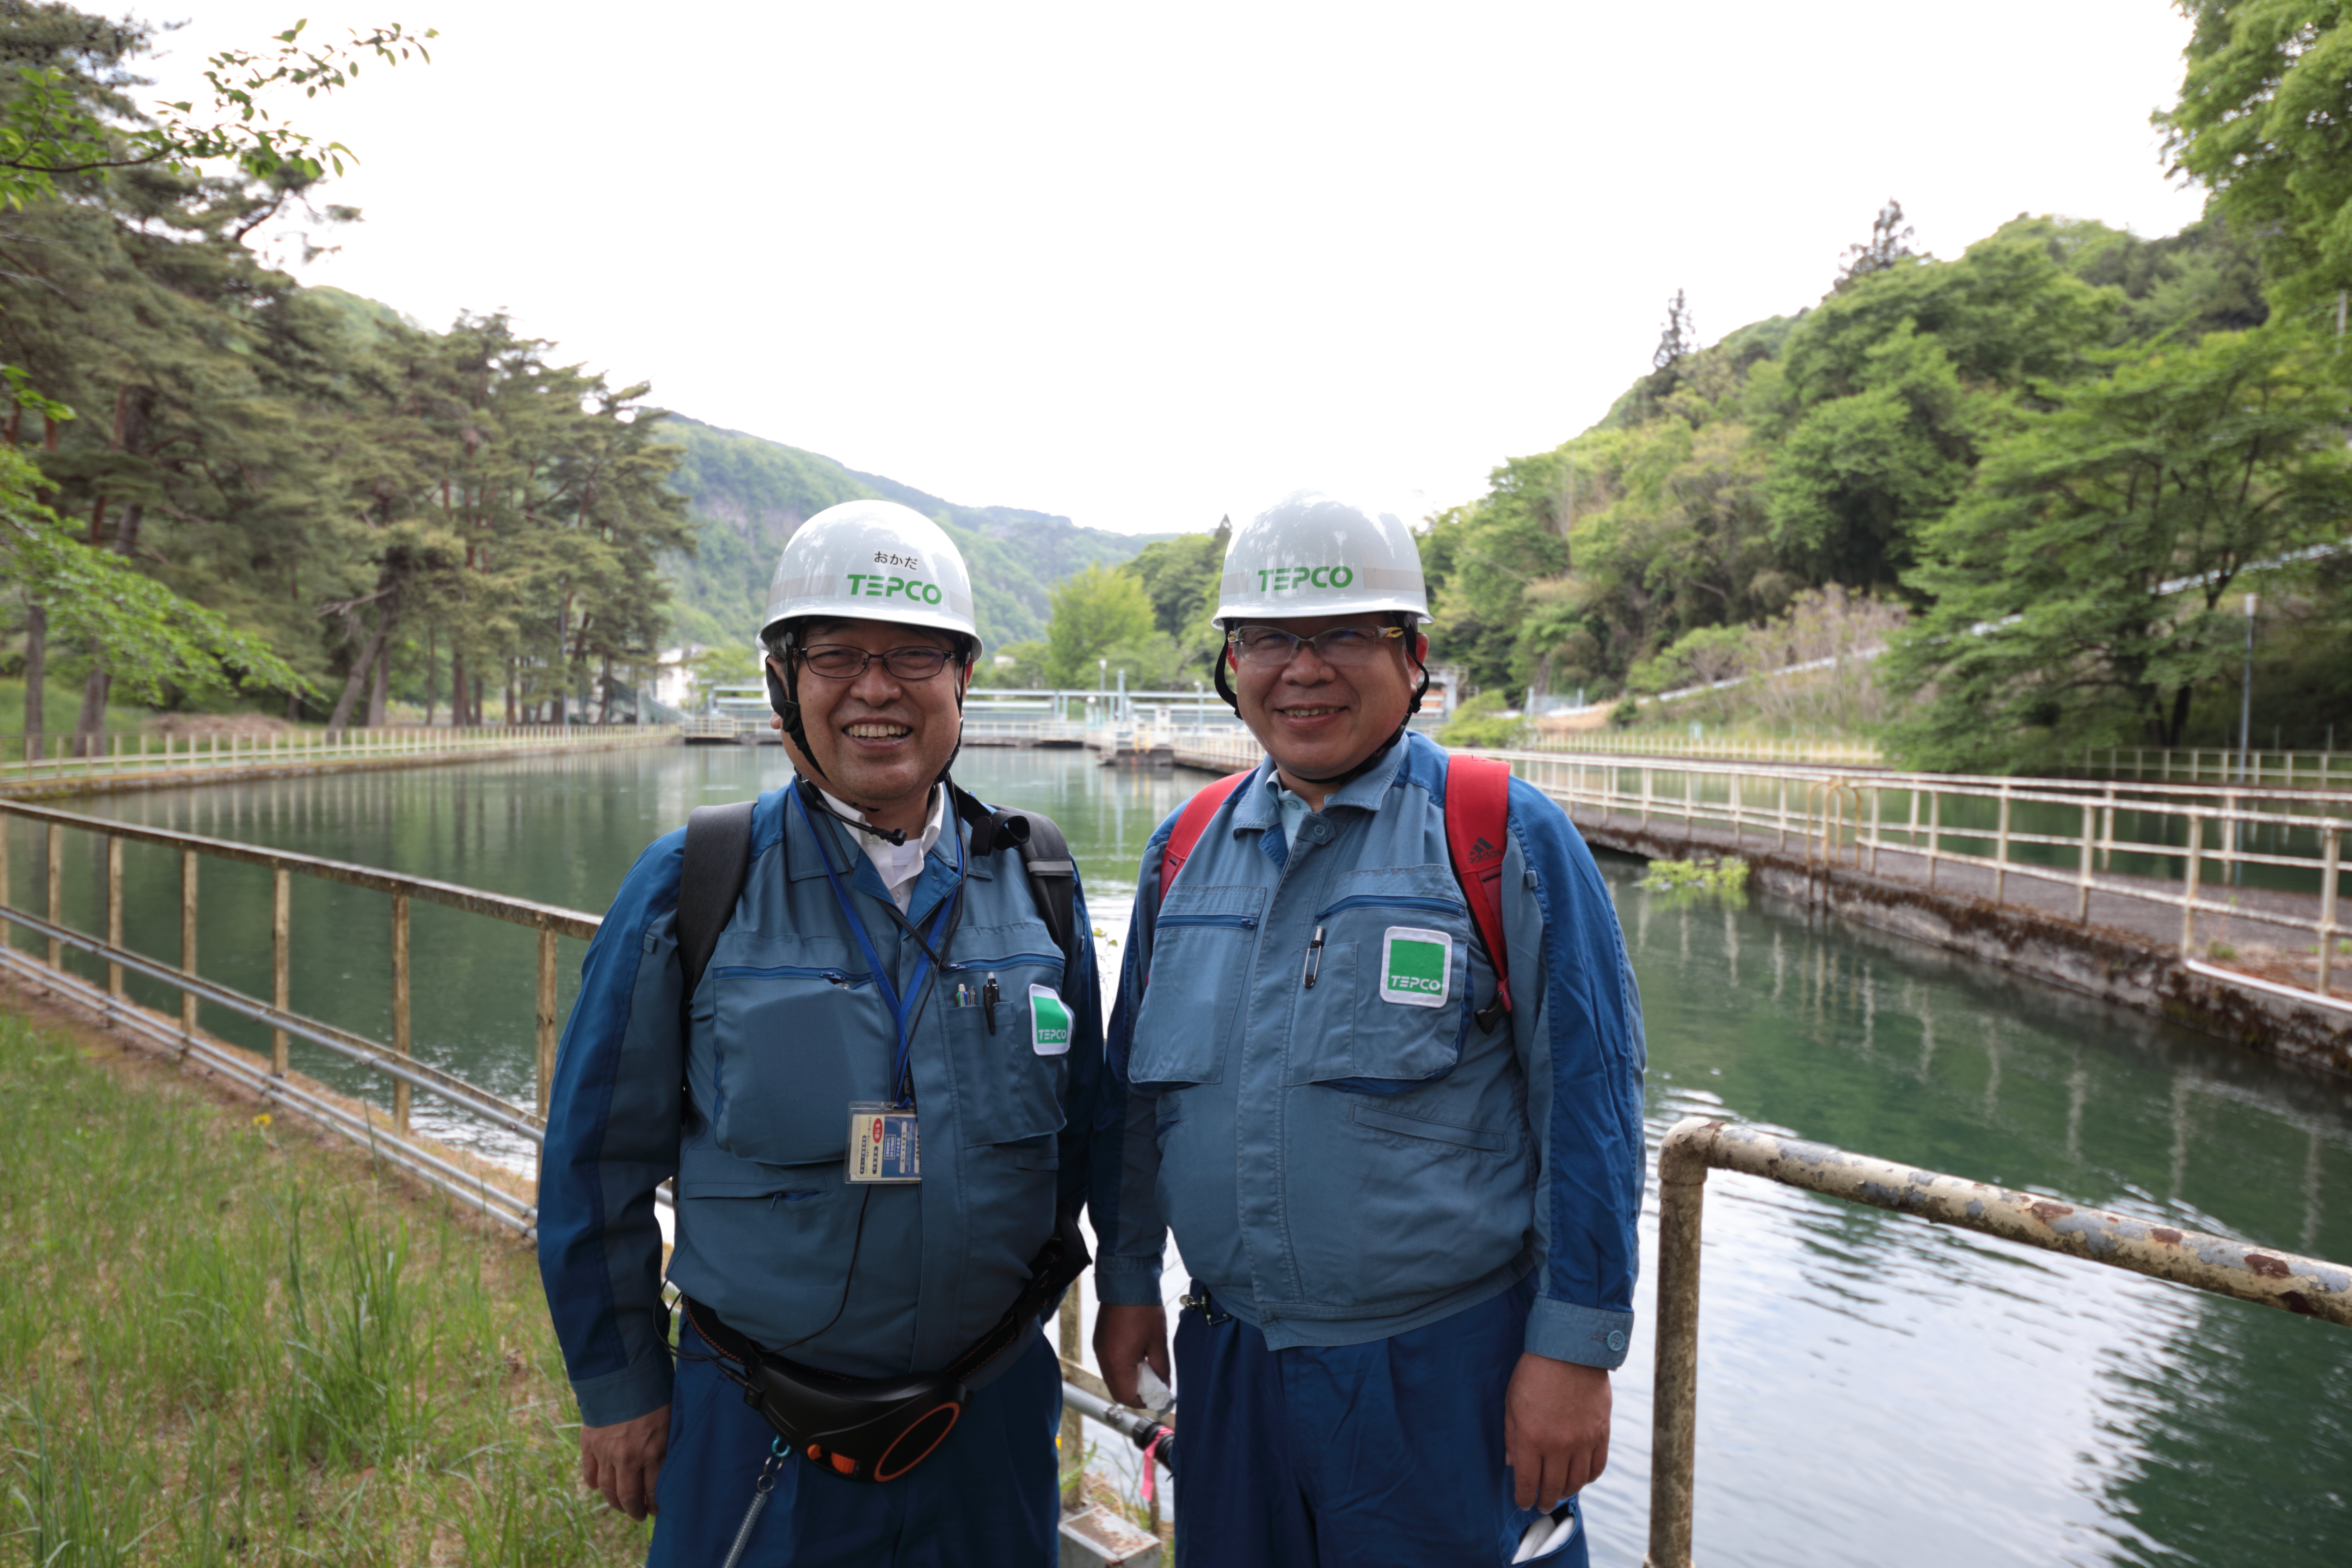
(1053, 874)
(718, 859)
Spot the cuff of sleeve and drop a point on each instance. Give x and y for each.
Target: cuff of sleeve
(1585, 1335)
(637, 1390)
(1127, 1281)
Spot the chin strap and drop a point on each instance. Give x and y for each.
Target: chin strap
(783, 696)
(890, 836)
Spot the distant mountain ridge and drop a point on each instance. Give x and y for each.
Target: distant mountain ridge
(748, 494)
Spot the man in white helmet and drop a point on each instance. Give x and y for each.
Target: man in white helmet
(857, 1020)
(1377, 1061)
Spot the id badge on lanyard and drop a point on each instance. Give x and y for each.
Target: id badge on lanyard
(885, 1141)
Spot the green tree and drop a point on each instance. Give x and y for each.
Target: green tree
(1095, 611)
(2266, 120)
(2079, 586)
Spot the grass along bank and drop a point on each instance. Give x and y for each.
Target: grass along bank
(223, 1341)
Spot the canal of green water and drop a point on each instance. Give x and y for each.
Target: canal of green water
(1872, 1389)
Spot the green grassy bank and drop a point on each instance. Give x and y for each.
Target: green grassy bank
(224, 1342)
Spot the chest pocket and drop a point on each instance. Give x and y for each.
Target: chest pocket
(1393, 940)
(797, 1031)
(1201, 949)
(1004, 1092)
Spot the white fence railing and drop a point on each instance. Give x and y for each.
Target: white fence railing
(2275, 856)
(1768, 749)
(37, 759)
(2289, 770)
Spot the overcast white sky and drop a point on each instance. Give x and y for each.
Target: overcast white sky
(1144, 266)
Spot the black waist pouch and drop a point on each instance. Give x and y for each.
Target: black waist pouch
(878, 1428)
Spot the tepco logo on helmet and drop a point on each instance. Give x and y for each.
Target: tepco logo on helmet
(879, 586)
(1284, 579)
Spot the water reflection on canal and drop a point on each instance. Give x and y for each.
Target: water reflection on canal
(1872, 1389)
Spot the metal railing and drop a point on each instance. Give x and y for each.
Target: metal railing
(2280, 770)
(2168, 845)
(1765, 749)
(394, 1060)
(2307, 1286)
(37, 760)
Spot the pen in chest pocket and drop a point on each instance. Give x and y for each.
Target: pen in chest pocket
(1314, 958)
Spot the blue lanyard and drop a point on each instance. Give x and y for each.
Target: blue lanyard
(901, 1010)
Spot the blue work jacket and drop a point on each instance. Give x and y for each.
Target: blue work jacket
(1345, 1161)
(745, 1098)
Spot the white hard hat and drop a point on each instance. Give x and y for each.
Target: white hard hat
(872, 560)
(1314, 554)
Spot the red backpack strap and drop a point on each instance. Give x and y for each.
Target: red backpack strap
(1477, 804)
(1191, 822)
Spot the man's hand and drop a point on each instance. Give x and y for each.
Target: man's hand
(623, 1460)
(1555, 1429)
(1125, 1336)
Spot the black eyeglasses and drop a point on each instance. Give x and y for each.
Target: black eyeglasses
(1345, 646)
(839, 662)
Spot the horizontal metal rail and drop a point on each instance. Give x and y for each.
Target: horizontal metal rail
(451, 895)
(2308, 1286)
(38, 759)
(465, 1185)
(469, 1098)
(395, 1064)
(2225, 765)
(1765, 749)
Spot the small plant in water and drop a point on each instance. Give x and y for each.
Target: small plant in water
(1707, 874)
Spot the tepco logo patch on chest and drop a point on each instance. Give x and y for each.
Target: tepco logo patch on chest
(1049, 1022)
(1416, 966)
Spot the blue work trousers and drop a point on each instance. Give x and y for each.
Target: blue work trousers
(986, 1497)
(1384, 1454)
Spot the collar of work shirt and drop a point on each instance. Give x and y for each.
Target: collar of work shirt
(1366, 790)
(897, 864)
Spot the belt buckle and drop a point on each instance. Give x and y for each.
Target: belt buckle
(1199, 1304)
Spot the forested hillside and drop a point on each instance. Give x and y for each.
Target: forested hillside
(344, 505)
(747, 494)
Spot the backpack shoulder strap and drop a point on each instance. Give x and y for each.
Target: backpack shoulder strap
(1192, 822)
(1477, 806)
(1052, 874)
(718, 859)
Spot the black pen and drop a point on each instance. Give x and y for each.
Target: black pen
(1314, 957)
(988, 995)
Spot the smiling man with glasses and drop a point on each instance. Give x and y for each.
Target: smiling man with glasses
(1404, 1167)
(857, 1020)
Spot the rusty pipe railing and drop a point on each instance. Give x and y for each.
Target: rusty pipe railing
(1696, 1145)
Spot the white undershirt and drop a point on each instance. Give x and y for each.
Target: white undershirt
(899, 864)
